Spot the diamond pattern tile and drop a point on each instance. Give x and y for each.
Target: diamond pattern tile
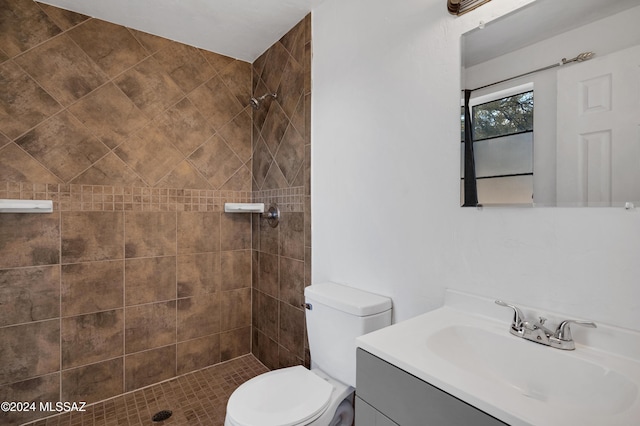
(184, 175)
(62, 69)
(3, 140)
(152, 102)
(109, 114)
(216, 161)
(295, 40)
(240, 181)
(271, 75)
(275, 179)
(217, 61)
(275, 124)
(150, 154)
(24, 25)
(23, 104)
(290, 156)
(63, 145)
(109, 170)
(111, 46)
(216, 102)
(237, 134)
(262, 160)
(150, 42)
(185, 64)
(17, 166)
(291, 87)
(237, 77)
(65, 19)
(281, 128)
(186, 126)
(149, 87)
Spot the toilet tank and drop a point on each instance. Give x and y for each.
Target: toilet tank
(336, 315)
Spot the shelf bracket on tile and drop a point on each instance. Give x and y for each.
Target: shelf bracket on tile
(244, 207)
(26, 206)
(272, 215)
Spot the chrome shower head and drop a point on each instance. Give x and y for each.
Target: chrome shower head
(255, 102)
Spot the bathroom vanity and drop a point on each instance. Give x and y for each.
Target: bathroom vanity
(387, 395)
(460, 365)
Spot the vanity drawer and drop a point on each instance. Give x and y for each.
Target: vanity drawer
(366, 415)
(409, 401)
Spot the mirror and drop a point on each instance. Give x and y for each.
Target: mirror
(563, 132)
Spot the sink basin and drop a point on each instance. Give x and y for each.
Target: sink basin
(465, 349)
(550, 375)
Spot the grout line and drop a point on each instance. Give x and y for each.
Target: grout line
(124, 302)
(60, 230)
(176, 293)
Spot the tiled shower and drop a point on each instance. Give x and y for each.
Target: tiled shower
(138, 275)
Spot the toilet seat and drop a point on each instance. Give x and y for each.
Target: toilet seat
(286, 397)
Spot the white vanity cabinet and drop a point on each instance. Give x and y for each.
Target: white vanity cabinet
(387, 395)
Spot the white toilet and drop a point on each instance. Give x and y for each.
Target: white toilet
(322, 396)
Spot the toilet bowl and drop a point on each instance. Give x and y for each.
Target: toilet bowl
(323, 396)
(292, 396)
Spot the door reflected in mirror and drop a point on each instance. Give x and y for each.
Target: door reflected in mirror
(566, 130)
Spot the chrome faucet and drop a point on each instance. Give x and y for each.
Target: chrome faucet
(536, 331)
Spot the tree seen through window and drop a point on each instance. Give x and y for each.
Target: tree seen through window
(513, 114)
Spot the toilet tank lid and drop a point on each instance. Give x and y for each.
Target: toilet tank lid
(347, 299)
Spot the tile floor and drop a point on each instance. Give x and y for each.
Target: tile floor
(198, 398)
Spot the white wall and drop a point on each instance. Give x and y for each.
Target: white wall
(385, 179)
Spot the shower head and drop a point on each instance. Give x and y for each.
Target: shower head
(255, 102)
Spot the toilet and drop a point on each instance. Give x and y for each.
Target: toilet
(323, 396)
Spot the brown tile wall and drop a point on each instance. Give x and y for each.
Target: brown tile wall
(137, 276)
(102, 302)
(85, 101)
(281, 174)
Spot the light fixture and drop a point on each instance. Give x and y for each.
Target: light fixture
(459, 7)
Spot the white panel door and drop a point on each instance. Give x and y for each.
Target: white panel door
(598, 135)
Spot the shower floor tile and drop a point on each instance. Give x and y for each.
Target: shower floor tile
(197, 398)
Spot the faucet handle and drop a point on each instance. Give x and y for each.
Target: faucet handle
(518, 317)
(563, 331)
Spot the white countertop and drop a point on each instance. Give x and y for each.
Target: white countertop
(526, 395)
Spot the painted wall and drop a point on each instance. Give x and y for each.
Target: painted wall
(385, 179)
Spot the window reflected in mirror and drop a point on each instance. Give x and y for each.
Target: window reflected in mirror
(502, 129)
